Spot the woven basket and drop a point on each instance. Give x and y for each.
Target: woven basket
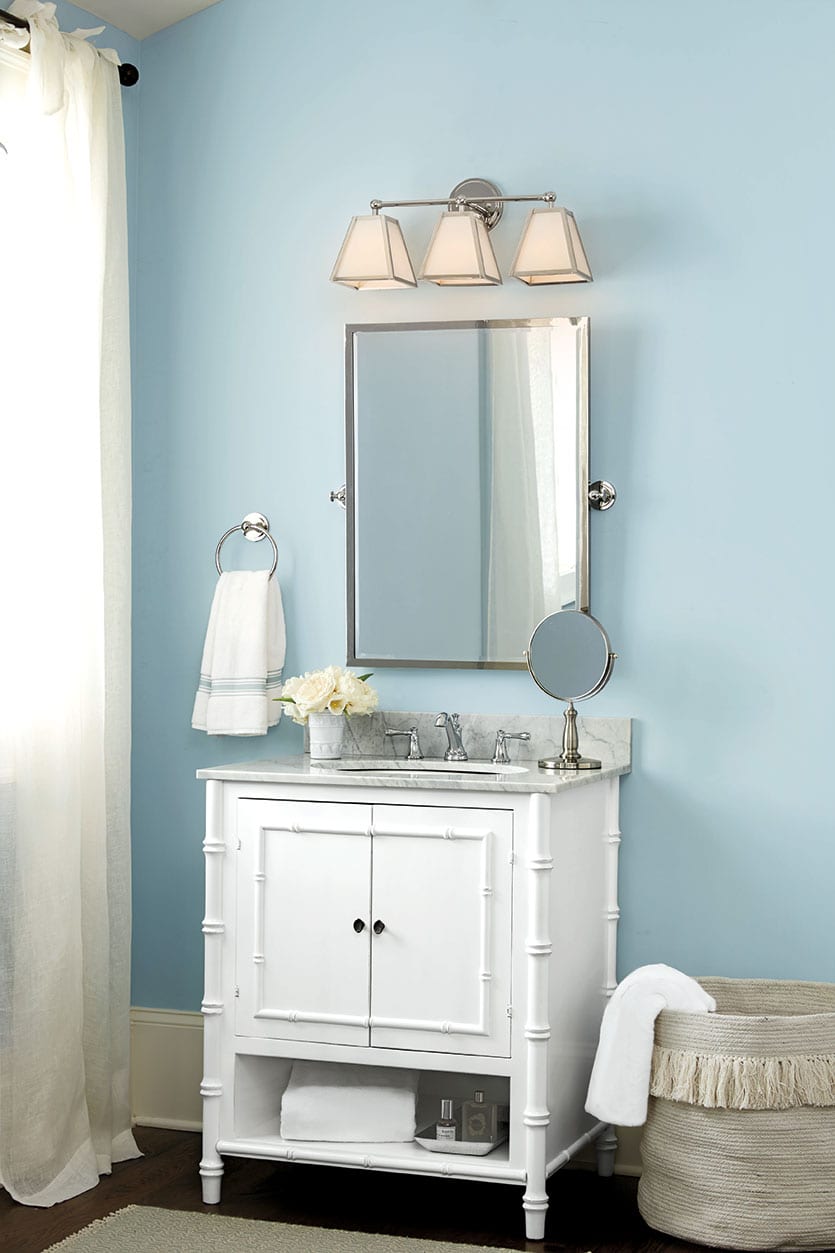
(739, 1145)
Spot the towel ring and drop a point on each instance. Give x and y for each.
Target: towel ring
(255, 527)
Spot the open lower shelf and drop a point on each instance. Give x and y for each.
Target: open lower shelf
(407, 1156)
(252, 1126)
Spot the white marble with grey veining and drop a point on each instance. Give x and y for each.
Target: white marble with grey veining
(609, 739)
(376, 773)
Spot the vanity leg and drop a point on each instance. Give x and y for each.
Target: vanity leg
(211, 1173)
(537, 1115)
(211, 1087)
(211, 1163)
(535, 1211)
(605, 1147)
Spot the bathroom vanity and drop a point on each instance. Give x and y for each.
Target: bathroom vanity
(457, 921)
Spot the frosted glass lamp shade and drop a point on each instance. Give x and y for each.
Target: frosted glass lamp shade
(550, 250)
(373, 255)
(460, 253)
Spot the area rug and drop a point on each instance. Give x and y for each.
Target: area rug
(142, 1229)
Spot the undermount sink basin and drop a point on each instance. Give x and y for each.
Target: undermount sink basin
(387, 766)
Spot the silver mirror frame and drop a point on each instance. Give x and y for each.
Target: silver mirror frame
(582, 479)
(605, 675)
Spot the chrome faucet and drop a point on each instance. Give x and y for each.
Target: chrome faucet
(414, 753)
(456, 750)
(501, 756)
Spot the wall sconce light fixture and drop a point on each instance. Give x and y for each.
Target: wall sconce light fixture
(374, 254)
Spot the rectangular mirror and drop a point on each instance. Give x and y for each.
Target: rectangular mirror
(467, 480)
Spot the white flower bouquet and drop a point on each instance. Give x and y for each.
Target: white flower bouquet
(332, 690)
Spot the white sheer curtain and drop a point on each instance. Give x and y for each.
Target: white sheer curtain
(64, 623)
(524, 557)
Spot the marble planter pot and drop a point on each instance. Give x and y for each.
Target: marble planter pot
(325, 732)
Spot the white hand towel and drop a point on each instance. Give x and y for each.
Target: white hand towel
(327, 1101)
(242, 658)
(619, 1086)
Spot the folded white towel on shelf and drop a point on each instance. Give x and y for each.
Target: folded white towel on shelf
(619, 1086)
(328, 1101)
(242, 658)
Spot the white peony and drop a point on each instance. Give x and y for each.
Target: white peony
(333, 689)
(359, 697)
(311, 692)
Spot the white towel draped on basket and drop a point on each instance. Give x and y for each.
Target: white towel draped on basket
(327, 1101)
(619, 1086)
(243, 657)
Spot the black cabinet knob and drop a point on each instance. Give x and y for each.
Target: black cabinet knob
(379, 927)
(359, 925)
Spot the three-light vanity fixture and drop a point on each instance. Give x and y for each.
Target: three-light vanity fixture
(374, 256)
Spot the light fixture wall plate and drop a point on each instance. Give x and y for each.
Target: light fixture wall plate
(551, 250)
(460, 253)
(374, 255)
(491, 204)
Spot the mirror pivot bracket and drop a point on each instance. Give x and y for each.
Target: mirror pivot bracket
(602, 495)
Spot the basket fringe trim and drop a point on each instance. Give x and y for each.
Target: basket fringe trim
(717, 1081)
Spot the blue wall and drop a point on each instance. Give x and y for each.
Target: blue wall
(694, 144)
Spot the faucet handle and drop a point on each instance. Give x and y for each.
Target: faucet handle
(501, 757)
(414, 753)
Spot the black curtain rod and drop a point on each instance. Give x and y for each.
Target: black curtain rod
(128, 74)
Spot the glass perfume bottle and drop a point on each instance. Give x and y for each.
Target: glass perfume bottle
(479, 1120)
(446, 1128)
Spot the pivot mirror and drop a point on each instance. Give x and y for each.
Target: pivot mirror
(570, 658)
(467, 489)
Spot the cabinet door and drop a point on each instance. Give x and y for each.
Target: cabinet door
(440, 967)
(304, 872)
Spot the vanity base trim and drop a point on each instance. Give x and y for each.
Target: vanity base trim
(406, 1157)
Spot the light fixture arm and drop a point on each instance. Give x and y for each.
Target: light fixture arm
(377, 205)
(482, 204)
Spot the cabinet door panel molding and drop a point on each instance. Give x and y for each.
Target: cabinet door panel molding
(303, 877)
(445, 884)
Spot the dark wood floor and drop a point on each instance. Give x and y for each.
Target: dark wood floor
(586, 1213)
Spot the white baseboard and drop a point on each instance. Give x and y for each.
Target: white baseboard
(167, 1066)
(166, 1048)
(628, 1160)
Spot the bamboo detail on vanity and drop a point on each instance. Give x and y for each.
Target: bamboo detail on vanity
(612, 839)
(211, 1087)
(537, 1024)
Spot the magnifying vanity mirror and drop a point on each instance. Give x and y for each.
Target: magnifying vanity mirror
(467, 489)
(570, 658)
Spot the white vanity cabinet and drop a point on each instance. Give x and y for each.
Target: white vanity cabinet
(465, 930)
(348, 915)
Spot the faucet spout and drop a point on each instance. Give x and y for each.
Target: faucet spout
(455, 750)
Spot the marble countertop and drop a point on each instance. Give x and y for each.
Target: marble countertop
(377, 772)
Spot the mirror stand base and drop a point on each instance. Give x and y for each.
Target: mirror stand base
(557, 763)
(569, 758)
